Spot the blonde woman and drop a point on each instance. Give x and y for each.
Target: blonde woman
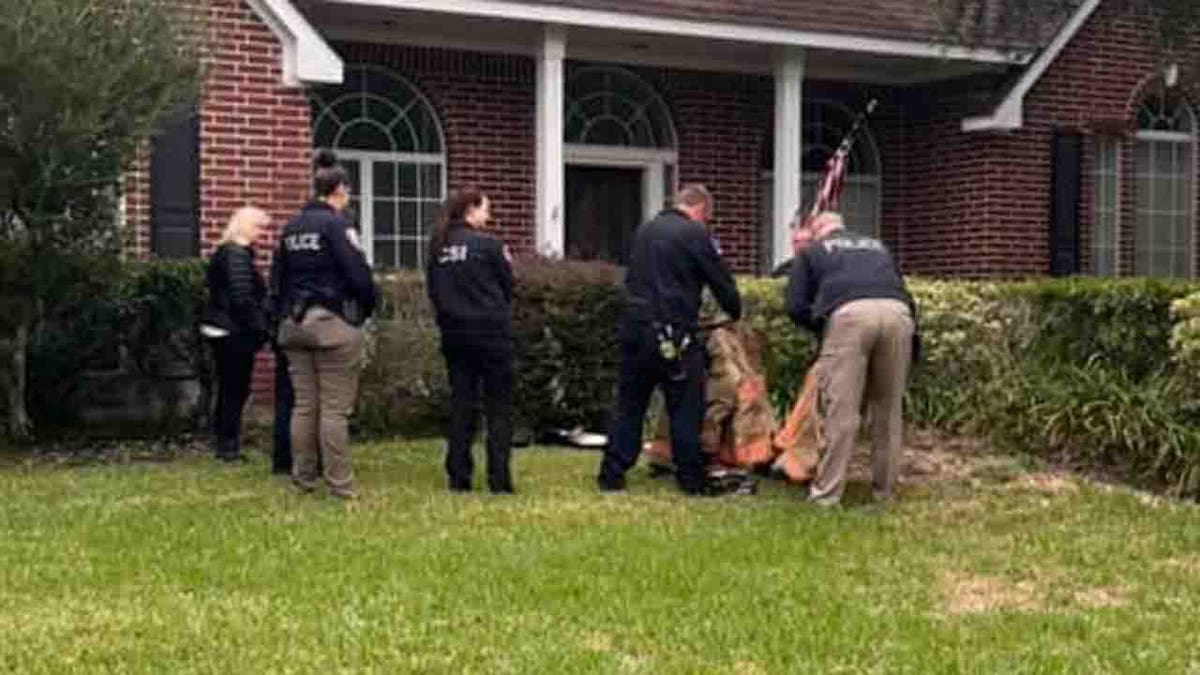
(236, 322)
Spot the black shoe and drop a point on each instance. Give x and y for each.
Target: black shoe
(460, 486)
(608, 484)
(239, 458)
(281, 470)
(503, 490)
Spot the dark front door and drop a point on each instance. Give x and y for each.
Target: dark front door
(604, 206)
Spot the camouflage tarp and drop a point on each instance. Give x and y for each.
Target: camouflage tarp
(740, 430)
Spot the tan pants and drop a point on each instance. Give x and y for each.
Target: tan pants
(866, 352)
(324, 359)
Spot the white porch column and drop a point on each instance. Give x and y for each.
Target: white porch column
(551, 228)
(789, 80)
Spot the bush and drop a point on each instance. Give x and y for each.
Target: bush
(1185, 336)
(134, 321)
(404, 388)
(564, 320)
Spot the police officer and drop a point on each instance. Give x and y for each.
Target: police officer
(325, 293)
(846, 288)
(673, 258)
(469, 280)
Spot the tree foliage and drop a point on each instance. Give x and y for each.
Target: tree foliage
(83, 83)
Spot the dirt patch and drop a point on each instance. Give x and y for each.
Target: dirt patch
(748, 668)
(966, 594)
(1046, 483)
(1101, 598)
(77, 452)
(930, 457)
(597, 642)
(1186, 564)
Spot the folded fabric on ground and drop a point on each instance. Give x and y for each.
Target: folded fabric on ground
(740, 431)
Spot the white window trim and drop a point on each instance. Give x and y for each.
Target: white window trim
(652, 162)
(1171, 137)
(366, 187)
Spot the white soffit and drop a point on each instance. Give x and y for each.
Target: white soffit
(1009, 114)
(567, 16)
(307, 59)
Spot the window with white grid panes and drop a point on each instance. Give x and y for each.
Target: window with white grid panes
(386, 135)
(1164, 170)
(1106, 205)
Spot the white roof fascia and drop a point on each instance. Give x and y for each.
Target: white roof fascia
(307, 58)
(569, 16)
(1009, 114)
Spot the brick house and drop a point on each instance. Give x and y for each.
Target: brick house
(580, 116)
(1073, 153)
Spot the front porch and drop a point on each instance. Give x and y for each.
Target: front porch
(582, 130)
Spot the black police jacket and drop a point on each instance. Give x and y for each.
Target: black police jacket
(838, 269)
(316, 265)
(673, 258)
(469, 281)
(236, 292)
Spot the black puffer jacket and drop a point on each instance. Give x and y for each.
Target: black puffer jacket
(236, 292)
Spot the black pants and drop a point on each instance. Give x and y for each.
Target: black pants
(642, 369)
(235, 362)
(285, 400)
(489, 364)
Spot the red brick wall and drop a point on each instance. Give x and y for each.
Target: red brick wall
(254, 143)
(485, 105)
(979, 204)
(721, 135)
(1094, 87)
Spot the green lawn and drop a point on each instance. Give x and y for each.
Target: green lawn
(193, 567)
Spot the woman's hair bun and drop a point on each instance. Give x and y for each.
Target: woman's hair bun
(325, 159)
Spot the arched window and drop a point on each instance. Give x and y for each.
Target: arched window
(387, 136)
(825, 125)
(1164, 168)
(619, 149)
(614, 107)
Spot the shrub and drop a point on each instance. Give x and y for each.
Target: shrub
(133, 319)
(404, 388)
(564, 320)
(565, 316)
(1125, 323)
(1185, 336)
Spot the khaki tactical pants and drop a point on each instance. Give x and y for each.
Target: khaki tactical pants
(324, 359)
(866, 353)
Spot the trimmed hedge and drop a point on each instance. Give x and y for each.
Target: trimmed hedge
(1105, 372)
(1077, 369)
(117, 322)
(563, 319)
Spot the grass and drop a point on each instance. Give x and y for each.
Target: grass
(191, 567)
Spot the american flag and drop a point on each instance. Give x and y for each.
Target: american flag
(829, 188)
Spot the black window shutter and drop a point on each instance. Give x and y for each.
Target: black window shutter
(175, 190)
(1064, 204)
